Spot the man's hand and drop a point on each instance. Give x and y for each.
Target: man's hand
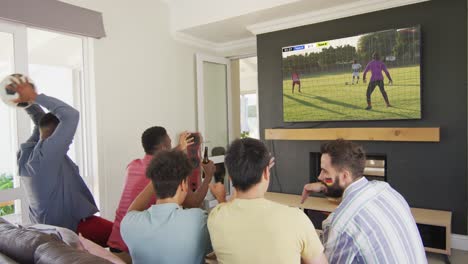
(24, 89)
(315, 187)
(185, 140)
(390, 82)
(218, 191)
(364, 80)
(209, 170)
(271, 163)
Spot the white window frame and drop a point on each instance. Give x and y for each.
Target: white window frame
(89, 120)
(21, 122)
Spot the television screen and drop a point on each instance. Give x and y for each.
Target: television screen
(374, 76)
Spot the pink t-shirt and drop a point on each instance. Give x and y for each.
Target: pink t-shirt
(295, 77)
(135, 182)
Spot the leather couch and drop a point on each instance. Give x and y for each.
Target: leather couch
(21, 245)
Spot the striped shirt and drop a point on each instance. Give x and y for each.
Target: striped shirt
(373, 224)
(135, 182)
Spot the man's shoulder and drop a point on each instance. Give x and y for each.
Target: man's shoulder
(379, 185)
(218, 209)
(134, 223)
(220, 213)
(289, 214)
(194, 212)
(272, 208)
(136, 163)
(361, 201)
(133, 217)
(27, 145)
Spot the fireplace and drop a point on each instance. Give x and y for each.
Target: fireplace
(376, 167)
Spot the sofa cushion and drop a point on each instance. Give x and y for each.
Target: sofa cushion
(99, 251)
(66, 235)
(57, 252)
(6, 260)
(19, 243)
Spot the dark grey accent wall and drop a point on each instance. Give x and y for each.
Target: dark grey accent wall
(428, 175)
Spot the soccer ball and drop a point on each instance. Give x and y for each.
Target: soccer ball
(7, 94)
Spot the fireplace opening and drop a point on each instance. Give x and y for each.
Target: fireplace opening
(376, 167)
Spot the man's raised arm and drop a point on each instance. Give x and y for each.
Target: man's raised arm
(35, 112)
(59, 142)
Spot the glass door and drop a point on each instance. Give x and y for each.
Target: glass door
(215, 112)
(214, 107)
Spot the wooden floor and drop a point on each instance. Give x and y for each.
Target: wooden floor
(458, 257)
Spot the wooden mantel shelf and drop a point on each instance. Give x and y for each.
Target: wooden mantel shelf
(412, 134)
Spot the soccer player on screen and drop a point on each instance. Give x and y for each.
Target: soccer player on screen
(356, 67)
(376, 67)
(295, 80)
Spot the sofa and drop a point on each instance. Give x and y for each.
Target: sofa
(25, 245)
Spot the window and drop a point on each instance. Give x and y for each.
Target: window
(249, 119)
(56, 64)
(249, 98)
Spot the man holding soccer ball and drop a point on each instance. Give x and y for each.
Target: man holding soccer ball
(376, 67)
(56, 192)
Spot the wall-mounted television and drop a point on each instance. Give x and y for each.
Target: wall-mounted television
(373, 76)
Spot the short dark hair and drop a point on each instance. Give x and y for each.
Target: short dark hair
(167, 170)
(49, 120)
(245, 161)
(376, 56)
(346, 154)
(152, 137)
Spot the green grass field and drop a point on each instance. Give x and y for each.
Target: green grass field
(327, 97)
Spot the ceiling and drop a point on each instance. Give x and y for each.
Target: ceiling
(225, 25)
(236, 28)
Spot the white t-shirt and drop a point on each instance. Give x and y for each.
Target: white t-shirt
(356, 67)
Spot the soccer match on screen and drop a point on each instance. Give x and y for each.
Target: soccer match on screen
(374, 76)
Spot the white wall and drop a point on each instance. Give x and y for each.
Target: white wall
(143, 78)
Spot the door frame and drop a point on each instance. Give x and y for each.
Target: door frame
(200, 59)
